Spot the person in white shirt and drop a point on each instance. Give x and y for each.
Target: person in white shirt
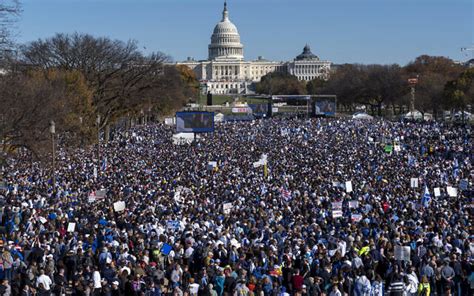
(97, 281)
(44, 280)
(193, 287)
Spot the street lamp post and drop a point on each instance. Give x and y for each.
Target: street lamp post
(52, 131)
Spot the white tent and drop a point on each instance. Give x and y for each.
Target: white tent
(219, 117)
(364, 116)
(418, 116)
(183, 138)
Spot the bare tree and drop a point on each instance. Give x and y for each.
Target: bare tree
(9, 12)
(117, 72)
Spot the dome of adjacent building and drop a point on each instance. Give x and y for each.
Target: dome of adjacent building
(225, 40)
(307, 54)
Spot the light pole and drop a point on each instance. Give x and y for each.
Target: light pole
(412, 82)
(52, 131)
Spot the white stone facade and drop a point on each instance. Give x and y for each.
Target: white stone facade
(226, 72)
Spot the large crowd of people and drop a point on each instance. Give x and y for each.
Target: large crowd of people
(266, 207)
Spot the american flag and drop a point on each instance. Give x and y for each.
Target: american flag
(285, 194)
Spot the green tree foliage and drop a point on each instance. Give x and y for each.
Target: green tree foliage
(315, 86)
(281, 84)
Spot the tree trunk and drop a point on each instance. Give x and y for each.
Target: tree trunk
(107, 134)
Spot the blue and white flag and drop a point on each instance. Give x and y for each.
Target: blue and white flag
(426, 197)
(455, 168)
(411, 160)
(103, 165)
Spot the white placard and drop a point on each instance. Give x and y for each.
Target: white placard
(348, 186)
(119, 206)
(402, 253)
(397, 148)
(95, 173)
(414, 183)
(71, 227)
(42, 220)
(211, 165)
(437, 192)
(99, 194)
(353, 204)
(452, 192)
(227, 207)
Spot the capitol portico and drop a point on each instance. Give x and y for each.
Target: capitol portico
(226, 72)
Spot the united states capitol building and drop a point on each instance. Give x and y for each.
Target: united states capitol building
(226, 72)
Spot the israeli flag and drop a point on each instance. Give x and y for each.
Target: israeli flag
(426, 197)
(455, 168)
(103, 165)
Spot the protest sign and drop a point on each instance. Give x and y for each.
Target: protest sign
(353, 204)
(356, 217)
(452, 192)
(42, 220)
(119, 206)
(348, 186)
(388, 148)
(437, 192)
(71, 227)
(212, 165)
(91, 197)
(463, 184)
(397, 148)
(402, 253)
(234, 242)
(100, 194)
(227, 207)
(336, 209)
(95, 173)
(414, 182)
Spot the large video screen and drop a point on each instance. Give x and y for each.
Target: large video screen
(194, 122)
(259, 109)
(325, 107)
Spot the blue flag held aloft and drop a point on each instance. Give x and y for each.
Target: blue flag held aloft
(426, 197)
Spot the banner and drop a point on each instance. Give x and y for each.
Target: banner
(402, 253)
(241, 110)
(336, 209)
(452, 192)
(356, 217)
(353, 204)
(119, 206)
(348, 186)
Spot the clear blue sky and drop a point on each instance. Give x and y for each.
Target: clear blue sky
(342, 31)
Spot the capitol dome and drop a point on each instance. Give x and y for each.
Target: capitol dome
(225, 40)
